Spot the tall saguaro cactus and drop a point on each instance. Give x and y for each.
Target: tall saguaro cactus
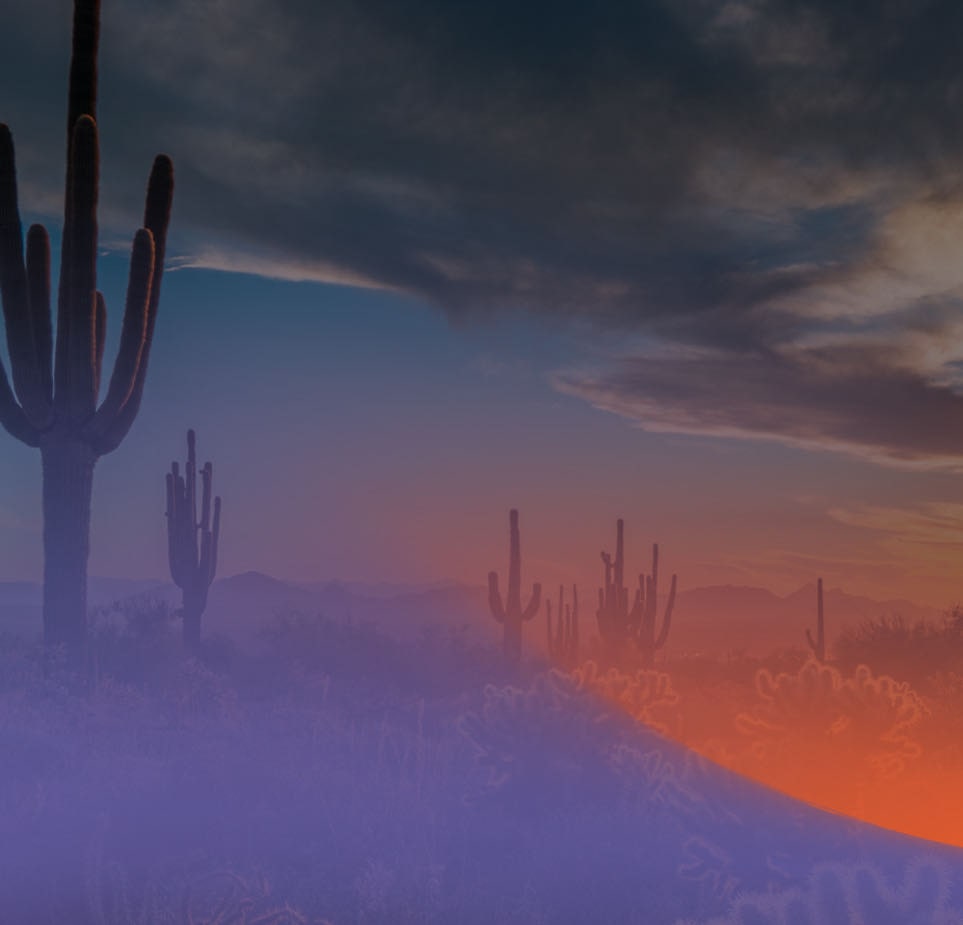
(193, 564)
(56, 386)
(510, 614)
(618, 622)
(615, 620)
(648, 599)
(818, 645)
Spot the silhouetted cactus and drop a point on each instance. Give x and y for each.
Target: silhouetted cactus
(563, 639)
(53, 403)
(617, 622)
(192, 563)
(648, 599)
(510, 614)
(818, 645)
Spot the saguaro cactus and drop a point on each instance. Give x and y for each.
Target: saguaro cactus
(510, 614)
(616, 621)
(818, 645)
(56, 386)
(193, 564)
(647, 602)
(563, 639)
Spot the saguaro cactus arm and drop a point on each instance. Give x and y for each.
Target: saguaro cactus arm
(667, 619)
(24, 419)
(114, 418)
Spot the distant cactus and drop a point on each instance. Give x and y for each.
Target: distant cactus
(819, 644)
(510, 614)
(563, 639)
(56, 386)
(648, 599)
(617, 622)
(192, 563)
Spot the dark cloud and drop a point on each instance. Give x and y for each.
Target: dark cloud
(868, 401)
(732, 175)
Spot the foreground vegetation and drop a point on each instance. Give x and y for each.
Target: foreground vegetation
(336, 776)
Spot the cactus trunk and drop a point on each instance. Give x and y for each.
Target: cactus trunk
(192, 608)
(510, 613)
(68, 474)
(512, 640)
(818, 645)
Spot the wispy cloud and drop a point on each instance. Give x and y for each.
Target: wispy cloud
(865, 400)
(933, 524)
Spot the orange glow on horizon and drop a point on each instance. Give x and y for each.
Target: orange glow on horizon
(859, 745)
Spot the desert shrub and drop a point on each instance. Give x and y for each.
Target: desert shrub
(134, 641)
(942, 729)
(432, 665)
(557, 743)
(646, 695)
(910, 651)
(838, 894)
(860, 720)
(530, 745)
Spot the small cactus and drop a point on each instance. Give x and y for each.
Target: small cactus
(510, 614)
(563, 639)
(647, 599)
(192, 563)
(818, 645)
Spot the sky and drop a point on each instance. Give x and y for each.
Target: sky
(694, 264)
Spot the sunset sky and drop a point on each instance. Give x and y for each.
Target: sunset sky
(695, 264)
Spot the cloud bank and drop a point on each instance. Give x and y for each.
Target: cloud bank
(769, 189)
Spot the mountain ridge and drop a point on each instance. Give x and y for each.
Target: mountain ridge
(708, 619)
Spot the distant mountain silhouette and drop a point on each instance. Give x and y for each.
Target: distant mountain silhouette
(721, 618)
(711, 620)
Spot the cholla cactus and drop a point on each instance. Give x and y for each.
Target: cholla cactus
(645, 694)
(852, 895)
(192, 563)
(862, 721)
(53, 404)
(510, 614)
